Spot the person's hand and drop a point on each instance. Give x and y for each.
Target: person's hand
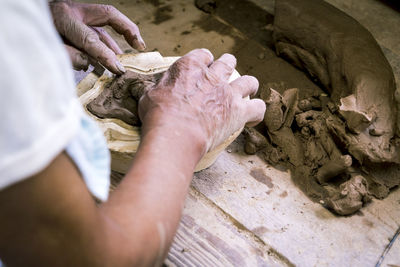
(79, 24)
(194, 97)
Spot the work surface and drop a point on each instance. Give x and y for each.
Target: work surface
(241, 211)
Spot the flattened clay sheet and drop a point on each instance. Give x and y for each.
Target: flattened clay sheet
(341, 148)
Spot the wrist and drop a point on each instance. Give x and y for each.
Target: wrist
(179, 139)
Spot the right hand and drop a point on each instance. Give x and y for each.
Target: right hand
(194, 97)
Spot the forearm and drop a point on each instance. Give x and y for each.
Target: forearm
(135, 227)
(148, 202)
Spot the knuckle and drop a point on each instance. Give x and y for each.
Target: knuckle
(177, 65)
(225, 65)
(135, 29)
(236, 105)
(212, 77)
(61, 13)
(187, 61)
(100, 30)
(200, 53)
(251, 82)
(230, 57)
(191, 61)
(90, 39)
(197, 51)
(64, 6)
(207, 54)
(109, 9)
(205, 51)
(173, 73)
(60, 6)
(107, 58)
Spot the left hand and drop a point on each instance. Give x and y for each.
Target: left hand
(80, 25)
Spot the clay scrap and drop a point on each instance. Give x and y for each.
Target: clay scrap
(347, 62)
(304, 136)
(337, 145)
(207, 6)
(120, 97)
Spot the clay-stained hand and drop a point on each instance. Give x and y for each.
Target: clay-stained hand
(194, 97)
(80, 26)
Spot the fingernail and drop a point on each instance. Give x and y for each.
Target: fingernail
(120, 67)
(142, 44)
(84, 58)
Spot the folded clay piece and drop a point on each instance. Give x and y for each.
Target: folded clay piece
(302, 138)
(346, 60)
(255, 141)
(351, 196)
(119, 99)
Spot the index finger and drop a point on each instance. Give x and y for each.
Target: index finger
(86, 39)
(101, 15)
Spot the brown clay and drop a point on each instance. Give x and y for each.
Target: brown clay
(350, 197)
(255, 141)
(347, 61)
(119, 98)
(341, 148)
(207, 6)
(308, 143)
(333, 168)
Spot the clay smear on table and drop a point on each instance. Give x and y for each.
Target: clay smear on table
(120, 97)
(341, 147)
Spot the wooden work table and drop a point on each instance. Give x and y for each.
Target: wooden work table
(242, 211)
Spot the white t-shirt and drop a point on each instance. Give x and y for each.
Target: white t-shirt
(40, 114)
